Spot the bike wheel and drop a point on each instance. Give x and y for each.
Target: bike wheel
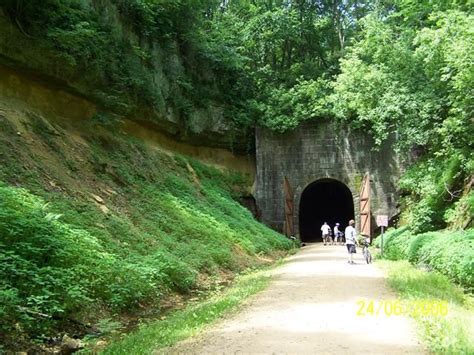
(368, 257)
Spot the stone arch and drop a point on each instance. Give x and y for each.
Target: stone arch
(323, 200)
(322, 149)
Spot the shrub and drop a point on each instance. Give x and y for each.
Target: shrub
(64, 259)
(166, 230)
(430, 205)
(416, 243)
(394, 249)
(450, 253)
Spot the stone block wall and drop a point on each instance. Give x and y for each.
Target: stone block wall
(322, 149)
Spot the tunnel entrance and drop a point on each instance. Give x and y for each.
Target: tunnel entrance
(325, 200)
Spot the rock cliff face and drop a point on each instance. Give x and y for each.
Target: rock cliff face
(163, 102)
(24, 96)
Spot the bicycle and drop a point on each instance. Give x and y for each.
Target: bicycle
(366, 251)
(327, 239)
(340, 239)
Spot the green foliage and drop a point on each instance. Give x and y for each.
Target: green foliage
(432, 186)
(395, 67)
(461, 211)
(416, 283)
(85, 37)
(414, 81)
(382, 89)
(163, 19)
(450, 334)
(127, 55)
(48, 267)
(409, 75)
(67, 259)
(399, 67)
(394, 247)
(450, 253)
(191, 320)
(287, 108)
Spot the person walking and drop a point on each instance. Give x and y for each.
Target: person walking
(350, 235)
(325, 229)
(337, 233)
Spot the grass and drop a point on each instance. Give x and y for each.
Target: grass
(191, 320)
(172, 227)
(451, 334)
(451, 253)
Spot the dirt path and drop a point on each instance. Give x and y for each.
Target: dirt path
(310, 307)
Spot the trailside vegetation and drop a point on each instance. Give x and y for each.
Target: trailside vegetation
(449, 253)
(139, 228)
(432, 267)
(410, 74)
(443, 334)
(182, 324)
(392, 68)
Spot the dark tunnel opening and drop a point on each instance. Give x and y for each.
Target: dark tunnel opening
(325, 200)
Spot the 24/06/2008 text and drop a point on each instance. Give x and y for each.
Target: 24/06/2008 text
(412, 308)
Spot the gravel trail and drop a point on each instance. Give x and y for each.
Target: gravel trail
(310, 308)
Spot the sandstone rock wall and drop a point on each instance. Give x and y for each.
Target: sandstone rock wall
(161, 75)
(23, 95)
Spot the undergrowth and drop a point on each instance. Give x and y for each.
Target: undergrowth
(450, 334)
(189, 321)
(449, 252)
(135, 226)
(439, 260)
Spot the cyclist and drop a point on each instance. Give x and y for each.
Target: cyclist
(325, 229)
(350, 234)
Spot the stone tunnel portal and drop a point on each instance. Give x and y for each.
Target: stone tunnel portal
(325, 200)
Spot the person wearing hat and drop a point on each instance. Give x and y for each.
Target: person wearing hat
(337, 233)
(350, 234)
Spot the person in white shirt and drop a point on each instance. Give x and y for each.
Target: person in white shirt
(325, 229)
(350, 234)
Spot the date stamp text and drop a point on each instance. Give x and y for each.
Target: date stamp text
(414, 308)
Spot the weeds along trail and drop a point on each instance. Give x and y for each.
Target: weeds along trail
(98, 226)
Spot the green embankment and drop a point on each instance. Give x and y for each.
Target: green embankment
(191, 320)
(441, 270)
(449, 252)
(447, 333)
(107, 226)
